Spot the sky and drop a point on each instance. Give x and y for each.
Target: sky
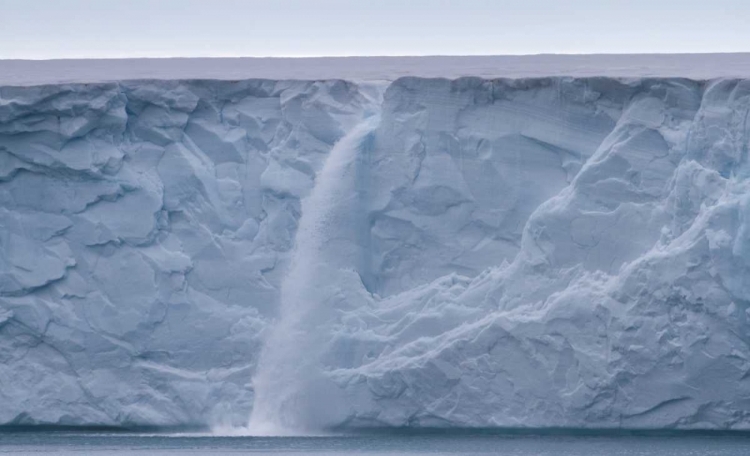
(47, 29)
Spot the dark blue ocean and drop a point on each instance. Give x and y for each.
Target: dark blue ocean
(436, 443)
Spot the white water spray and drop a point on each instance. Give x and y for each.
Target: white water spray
(292, 395)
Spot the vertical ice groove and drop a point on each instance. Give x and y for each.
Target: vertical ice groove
(289, 390)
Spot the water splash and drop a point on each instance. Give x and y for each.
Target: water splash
(292, 396)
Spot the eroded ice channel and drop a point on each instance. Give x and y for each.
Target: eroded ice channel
(566, 252)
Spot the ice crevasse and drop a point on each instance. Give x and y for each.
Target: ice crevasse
(543, 252)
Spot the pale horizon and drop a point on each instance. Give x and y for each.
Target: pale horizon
(356, 56)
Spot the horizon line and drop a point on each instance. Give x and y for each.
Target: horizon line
(349, 56)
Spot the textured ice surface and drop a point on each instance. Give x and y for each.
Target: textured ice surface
(530, 252)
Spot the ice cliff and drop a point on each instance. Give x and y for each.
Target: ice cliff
(543, 252)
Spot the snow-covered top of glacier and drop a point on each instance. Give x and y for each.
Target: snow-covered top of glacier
(694, 66)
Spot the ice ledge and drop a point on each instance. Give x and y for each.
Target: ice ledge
(694, 66)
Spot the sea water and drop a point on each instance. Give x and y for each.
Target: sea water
(82, 443)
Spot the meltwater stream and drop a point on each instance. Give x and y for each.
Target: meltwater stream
(291, 395)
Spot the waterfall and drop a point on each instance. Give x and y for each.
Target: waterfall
(291, 394)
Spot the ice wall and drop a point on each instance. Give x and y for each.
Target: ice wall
(146, 229)
(625, 303)
(531, 252)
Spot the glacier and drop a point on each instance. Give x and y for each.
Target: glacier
(299, 255)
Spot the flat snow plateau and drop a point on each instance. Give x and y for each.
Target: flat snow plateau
(693, 66)
(555, 241)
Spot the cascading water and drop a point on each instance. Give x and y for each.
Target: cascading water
(291, 394)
